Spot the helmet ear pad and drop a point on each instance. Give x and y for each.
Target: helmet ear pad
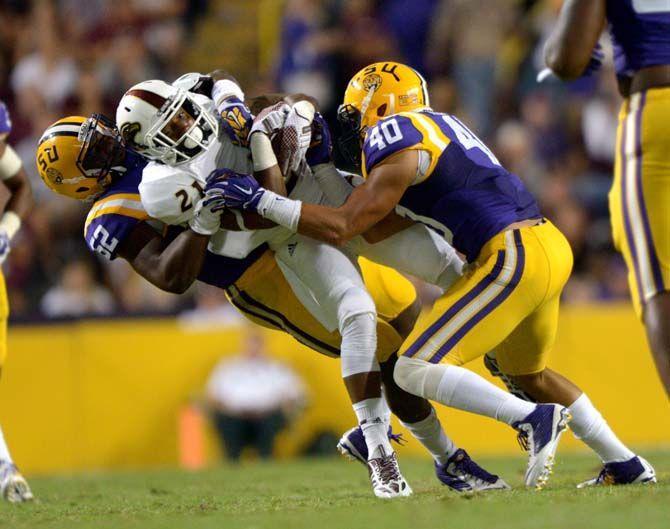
(381, 109)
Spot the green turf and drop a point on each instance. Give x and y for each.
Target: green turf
(332, 493)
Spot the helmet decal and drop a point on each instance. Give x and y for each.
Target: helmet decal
(372, 81)
(128, 132)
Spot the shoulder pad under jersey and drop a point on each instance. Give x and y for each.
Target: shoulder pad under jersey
(169, 194)
(387, 137)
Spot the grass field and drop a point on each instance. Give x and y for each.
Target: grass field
(333, 493)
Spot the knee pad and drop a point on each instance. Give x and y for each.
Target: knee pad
(359, 344)
(354, 301)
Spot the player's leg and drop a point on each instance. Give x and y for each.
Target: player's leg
(417, 251)
(13, 486)
(333, 280)
(639, 212)
(529, 373)
(657, 325)
(473, 317)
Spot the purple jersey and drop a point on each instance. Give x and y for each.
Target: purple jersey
(117, 212)
(640, 31)
(5, 120)
(461, 189)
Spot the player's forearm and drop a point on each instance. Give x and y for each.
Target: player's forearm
(174, 267)
(568, 49)
(21, 200)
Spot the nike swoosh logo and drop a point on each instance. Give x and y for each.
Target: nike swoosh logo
(246, 191)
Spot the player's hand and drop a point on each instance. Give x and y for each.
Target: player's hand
(270, 120)
(321, 148)
(595, 62)
(296, 137)
(4, 246)
(227, 189)
(206, 218)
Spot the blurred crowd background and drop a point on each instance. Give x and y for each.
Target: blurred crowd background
(481, 57)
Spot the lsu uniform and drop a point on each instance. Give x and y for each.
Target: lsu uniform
(253, 284)
(509, 297)
(5, 129)
(640, 194)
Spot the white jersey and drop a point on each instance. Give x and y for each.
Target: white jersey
(170, 193)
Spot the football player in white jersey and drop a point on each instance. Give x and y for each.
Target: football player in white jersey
(181, 133)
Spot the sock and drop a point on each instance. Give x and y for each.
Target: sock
(4, 451)
(370, 414)
(431, 435)
(459, 388)
(589, 425)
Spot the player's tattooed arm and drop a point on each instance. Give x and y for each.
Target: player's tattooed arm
(569, 47)
(170, 265)
(368, 204)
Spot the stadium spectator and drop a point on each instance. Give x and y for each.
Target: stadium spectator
(77, 294)
(252, 398)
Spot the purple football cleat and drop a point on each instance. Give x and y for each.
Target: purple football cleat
(539, 433)
(462, 474)
(635, 470)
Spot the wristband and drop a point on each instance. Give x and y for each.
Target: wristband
(10, 163)
(224, 89)
(10, 224)
(280, 210)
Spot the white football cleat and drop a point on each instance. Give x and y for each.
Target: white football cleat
(635, 470)
(13, 486)
(539, 433)
(387, 481)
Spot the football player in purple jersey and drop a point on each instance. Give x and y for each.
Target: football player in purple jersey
(12, 485)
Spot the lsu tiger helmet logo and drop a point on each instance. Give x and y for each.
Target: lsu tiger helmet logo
(378, 90)
(75, 156)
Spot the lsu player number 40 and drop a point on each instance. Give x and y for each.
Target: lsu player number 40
(430, 167)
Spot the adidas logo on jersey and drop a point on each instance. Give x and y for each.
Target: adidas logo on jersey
(291, 248)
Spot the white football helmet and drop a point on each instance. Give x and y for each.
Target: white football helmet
(164, 122)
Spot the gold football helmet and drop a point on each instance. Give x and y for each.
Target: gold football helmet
(75, 155)
(378, 90)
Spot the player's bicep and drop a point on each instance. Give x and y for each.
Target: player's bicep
(385, 185)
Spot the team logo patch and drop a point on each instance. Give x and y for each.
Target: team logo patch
(55, 175)
(372, 82)
(129, 131)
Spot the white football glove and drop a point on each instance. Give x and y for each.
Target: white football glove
(296, 136)
(270, 120)
(205, 221)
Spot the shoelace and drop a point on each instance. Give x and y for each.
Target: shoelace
(522, 438)
(605, 477)
(388, 469)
